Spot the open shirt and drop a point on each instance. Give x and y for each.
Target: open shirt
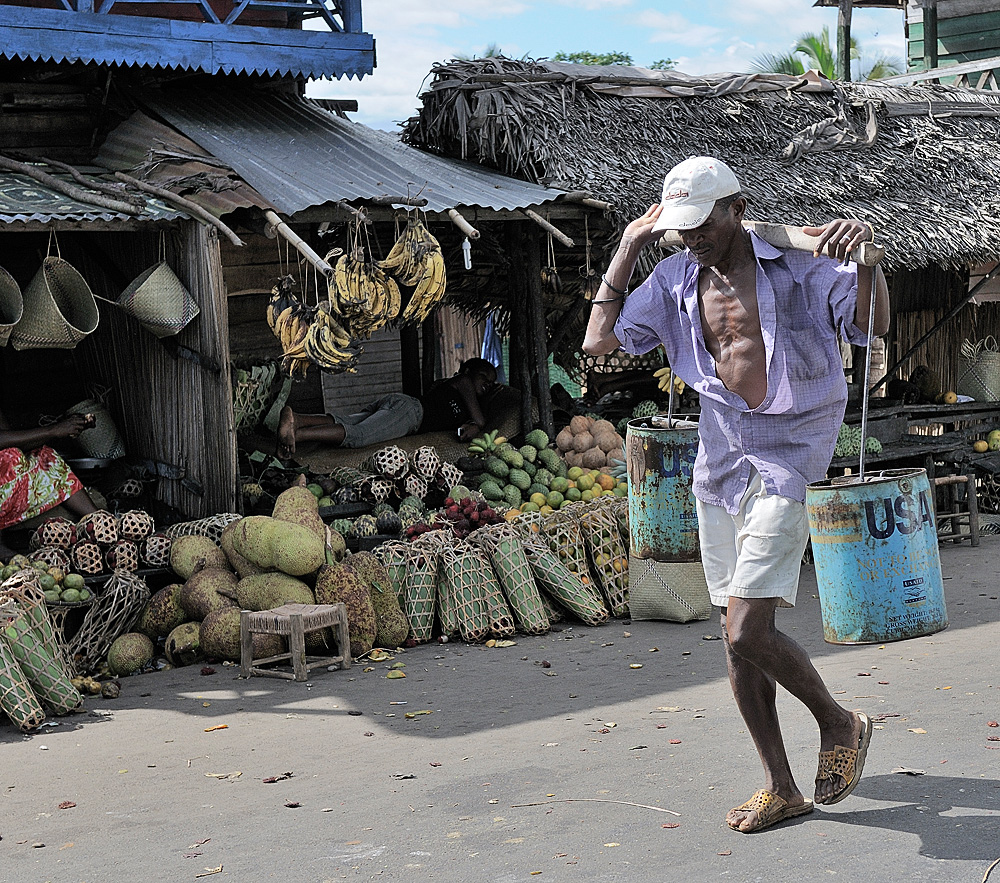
(804, 303)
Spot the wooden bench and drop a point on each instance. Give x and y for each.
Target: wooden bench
(962, 524)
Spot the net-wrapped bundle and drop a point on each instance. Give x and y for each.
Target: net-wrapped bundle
(39, 660)
(115, 611)
(393, 557)
(17, 699)
(561, 530)
(48, 620)
(553, 612)
(462, 566)
(516, 578)
(420, 592)
(559, 582)
(608, 558)
(211, 527)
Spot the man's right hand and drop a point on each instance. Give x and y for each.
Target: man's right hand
(640, 232)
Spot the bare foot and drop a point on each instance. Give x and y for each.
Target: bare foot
(847, 734)
(286, 433)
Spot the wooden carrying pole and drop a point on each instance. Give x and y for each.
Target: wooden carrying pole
(548, 228)
(277, 225)
(867, 254)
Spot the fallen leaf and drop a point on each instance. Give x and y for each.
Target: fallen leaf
(67, 804)
(395, 673)
(234, 775)
(412, 714)
(635, 665)
(209, 872)
(69, 845)
(217, 727)
(293, 804)
(883, 682)
(435, 763)
(369, 668)
(191, 854)
(545, 664)
(992, 724)
(671, 825)
(675, 741)
(200, 843)
(661, 726)
(864, 674)
(638, 747)
(208, 670)
(206, 704)
(906, 771)
(505, 644)
(355, 713)
(725, 852)
(611, 845)
(398, 665)
(993, 738)
(920, 730)
(610, 724)
(272, 779)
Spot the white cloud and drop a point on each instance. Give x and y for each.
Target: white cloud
(676, 29)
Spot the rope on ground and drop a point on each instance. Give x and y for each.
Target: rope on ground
(598, 800)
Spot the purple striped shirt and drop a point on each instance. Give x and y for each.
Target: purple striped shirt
(804, 303)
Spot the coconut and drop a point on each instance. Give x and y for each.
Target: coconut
(564, 440)
(183, 644)
(163, 612)
(130, 653)
(191, 553)
(602, 426)
(582, 441)
(573, 458)
(211, 588)
(579, 424)
(595, 458)
(609, 441)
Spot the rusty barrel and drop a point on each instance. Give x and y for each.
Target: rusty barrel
(875, 547)
(663, 522)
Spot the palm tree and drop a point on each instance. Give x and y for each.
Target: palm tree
(815, 51)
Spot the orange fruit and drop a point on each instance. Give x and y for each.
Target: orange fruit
(607, 482)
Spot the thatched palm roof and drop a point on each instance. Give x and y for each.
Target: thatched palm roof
(921, 163)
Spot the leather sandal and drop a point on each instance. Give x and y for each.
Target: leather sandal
(770, 809)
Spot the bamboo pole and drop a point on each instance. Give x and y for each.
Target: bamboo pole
(536, 331)
(278, 226)
(547, 227)
(463, 224)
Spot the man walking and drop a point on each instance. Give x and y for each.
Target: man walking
(754, 330)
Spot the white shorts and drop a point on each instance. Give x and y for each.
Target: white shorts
(756, 553)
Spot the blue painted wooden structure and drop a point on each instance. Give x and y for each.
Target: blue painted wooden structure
(211, 36)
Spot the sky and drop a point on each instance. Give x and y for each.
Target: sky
(703, 36)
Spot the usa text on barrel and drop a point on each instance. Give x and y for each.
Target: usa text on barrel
(875, 548)
(663, 522)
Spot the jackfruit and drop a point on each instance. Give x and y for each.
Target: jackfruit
(299, 505)
(191, 553)
(183, 644)
(211, 588)
(253, 538)
(265, 591)
(219, 635)
(241, 565)
(339, 583)
(162, 613)
(130, 653)
(391, 624)
(297, 550)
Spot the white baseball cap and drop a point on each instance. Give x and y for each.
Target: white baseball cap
(690, 191)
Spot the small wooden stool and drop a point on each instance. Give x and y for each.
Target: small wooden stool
(950, 512)
(293, 621)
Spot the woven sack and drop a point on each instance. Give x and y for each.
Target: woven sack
(42, 666)
(606, 553)
(980, 378)
(420, 590)
(211, 527)
(668, 590)
(116, 609)
(516, 578)
(59, 309)
(461, 571)
(102, 440)
(17, 699)
(159, 300)
(11, 305)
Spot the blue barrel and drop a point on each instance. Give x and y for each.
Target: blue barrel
(663, 522)
(875, 547)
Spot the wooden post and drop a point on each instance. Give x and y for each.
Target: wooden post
(429, 359)
(537, 330)
(409, 355)
(520, 335)
(844, 40)
(930, 34)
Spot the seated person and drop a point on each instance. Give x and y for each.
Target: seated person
(33, 477)
(455, 403)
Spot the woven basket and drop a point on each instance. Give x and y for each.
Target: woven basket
(668, 590)
(117, 608)
(11, 305)
(159, 300)
(462, 567)
(516, 578)
(211, 527)
(981, 378)
(102, 440)
(59, 309)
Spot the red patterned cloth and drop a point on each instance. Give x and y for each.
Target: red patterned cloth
(32, 483)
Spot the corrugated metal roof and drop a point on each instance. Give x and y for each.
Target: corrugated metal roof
(298, 155)
(154, 152)
(24, 200)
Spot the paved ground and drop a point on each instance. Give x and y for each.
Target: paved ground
(520, 771)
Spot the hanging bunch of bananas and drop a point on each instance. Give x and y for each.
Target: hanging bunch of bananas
(363, 294)
(289, 320)
(416, 259)
(328, 345)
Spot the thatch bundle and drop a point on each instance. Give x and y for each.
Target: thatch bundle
(920, 163)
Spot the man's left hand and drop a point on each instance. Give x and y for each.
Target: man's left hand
(839, 237)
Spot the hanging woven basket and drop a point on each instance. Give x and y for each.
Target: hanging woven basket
(11, 305)
(159, 300)
(103, 440)
(59, 309)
